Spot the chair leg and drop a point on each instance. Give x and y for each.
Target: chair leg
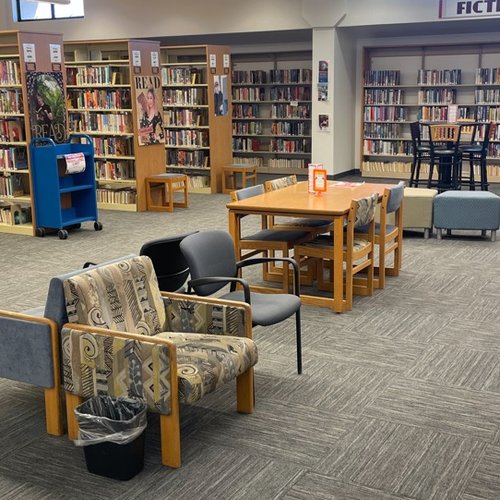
(431, 173)
(53, 411)
(381, 264)
(72, 401)
(412, 171)
(245, 399)
(298, 338)
(170, 432)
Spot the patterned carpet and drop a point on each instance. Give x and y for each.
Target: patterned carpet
(400, 398)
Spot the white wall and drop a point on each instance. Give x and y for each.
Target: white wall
(106, 19)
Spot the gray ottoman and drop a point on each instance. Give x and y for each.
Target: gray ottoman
(478, 210)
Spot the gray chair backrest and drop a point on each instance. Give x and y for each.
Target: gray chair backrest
(395, 197)
(209, 253)
(248, 192)
(365, 210)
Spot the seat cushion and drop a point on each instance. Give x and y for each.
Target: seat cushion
(124, 296)
(389, 228)
(206, 361)
(326, 242)
(268, 308)
(277, 235)
(317, 223)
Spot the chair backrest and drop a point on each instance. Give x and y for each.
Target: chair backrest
(209, 253)
(415, 135)
(365, 209)
(488, 134)
(248, 192)
(281, 183)
(445, 133)
(395, 198)
(123, 296)
(169, 262)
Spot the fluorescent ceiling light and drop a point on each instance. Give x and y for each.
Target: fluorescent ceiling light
(62, 2)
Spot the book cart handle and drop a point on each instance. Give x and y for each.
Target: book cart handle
(42, 141)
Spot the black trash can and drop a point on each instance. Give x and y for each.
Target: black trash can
(112, 432)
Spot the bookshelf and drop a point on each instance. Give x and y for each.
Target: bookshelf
(25, 59)
(105, 80)
(272, 111)
(197, 128)
(406, 84)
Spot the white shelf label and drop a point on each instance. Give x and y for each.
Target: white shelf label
(55, 53)
(136, 58)
(29, 52)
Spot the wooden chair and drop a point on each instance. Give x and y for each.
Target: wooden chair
(444, 141)
(230, 173)
(388, 237)
(267, 241)
(357, 254)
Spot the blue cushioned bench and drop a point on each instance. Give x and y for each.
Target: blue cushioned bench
(467, 210)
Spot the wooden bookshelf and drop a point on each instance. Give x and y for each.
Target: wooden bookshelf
(198, 135)
(406, 84)
(104, 81)
(24, 58)
(272, 111)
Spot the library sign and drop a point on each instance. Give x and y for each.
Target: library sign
(456, 9)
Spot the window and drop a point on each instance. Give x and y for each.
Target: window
(38, 10)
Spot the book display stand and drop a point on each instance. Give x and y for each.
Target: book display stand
(107, 83)
(27, 62)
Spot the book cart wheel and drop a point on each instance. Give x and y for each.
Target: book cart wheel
(40, 232)
(98, 226)
(63, 234)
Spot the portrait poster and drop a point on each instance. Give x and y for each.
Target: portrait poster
(46, 105)
(221, 104)
(149, 105)
(324, 122)
(322, 91)
(323, 71)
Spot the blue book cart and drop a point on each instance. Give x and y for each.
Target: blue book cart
(63, 200)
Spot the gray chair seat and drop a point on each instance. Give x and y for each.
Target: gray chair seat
(267, 312)
(277, 235)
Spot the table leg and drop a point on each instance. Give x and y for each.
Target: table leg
(338, 264)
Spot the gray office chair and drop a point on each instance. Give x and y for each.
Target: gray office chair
(212, 264)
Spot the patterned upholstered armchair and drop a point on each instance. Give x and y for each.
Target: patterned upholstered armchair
(125, 337)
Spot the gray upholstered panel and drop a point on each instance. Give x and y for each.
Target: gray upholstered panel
(26, 354)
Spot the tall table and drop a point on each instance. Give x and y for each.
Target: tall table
(296, 201)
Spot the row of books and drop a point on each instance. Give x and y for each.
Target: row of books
(11, 101)
(185, 97)
(383, 130)
(385, 113)
(15, 215)
(121, 195)
(290, 128)
(290, 146)
(13, 158)
(437, 96)
(248, 128)
(179, 157)
(433, 113)
(439, 76)
(11, 130)
(396, 167)
(246, 144)
(116, 146)
(185, 118)
(302, 75)
(186, 137)
(249, 94)
(258, 161)
(245, 110)
(378, 146)
(97, 75)
(487, 114)
(288, 111)
(13, 185)
(182, 76)
(198, 181)
(382, 77)
(290, 94)
(114, 170)
(487, 76)
(286, 163)
(100, 99)
(487, 96)
(384, 96)
(100, 122)
(10, 73)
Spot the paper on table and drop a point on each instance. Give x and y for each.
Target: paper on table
(75, 163)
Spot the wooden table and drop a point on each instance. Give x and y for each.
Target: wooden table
(295, 201)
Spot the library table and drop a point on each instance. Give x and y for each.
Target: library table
(296, 201)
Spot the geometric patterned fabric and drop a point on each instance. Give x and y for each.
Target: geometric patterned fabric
(125, 296)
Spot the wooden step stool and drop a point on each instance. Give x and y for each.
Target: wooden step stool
(229, 173)
(168, 183)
